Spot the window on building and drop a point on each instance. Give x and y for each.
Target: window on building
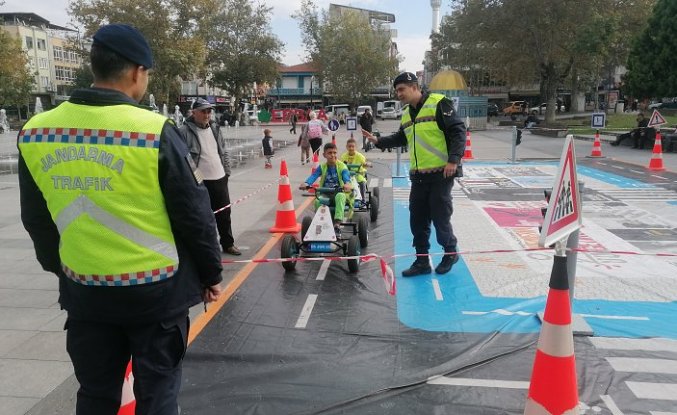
(42, 44)
(31, 63)
(58, 53)
(29, 42)
(64, 73)
(44, 81)
(43, 63)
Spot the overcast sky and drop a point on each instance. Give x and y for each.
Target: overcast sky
(413, 21)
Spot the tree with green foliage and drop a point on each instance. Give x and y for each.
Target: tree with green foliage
(652, 63)
(16, 80)
(242, 47)
(352, 56)
(174, 29)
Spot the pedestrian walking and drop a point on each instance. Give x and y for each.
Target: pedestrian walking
(436, 136)
(117, 213)
(267, 145)
(316, 129)
(293, 119)
(366, 122)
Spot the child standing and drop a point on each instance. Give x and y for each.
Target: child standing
(352, 156)
(304, 143)
(267, 143)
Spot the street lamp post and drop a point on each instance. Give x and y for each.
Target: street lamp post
(312, 81)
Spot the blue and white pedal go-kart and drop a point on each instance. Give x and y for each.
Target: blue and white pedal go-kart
(318, 237)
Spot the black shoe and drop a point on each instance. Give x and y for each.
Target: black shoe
(445, 265)
(232, 250)
(419, 267)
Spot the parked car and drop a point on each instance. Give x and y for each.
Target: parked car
(515, 107)
(389, 113)
(492, 110)
(669, 103)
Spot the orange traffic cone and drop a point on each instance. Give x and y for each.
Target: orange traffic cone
(596, 147)
(553, 388)
(656, 163)
(128, 403)
(285, 218)
(468, 146)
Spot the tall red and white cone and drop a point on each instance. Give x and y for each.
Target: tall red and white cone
(468, 146)
(128, 402)
(656, 163)
(553, 388)
(596, 147)
(285, 217)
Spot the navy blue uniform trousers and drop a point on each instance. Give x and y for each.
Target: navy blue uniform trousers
(430, 201)
(100, 353)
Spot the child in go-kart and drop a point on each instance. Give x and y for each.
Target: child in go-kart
(352, 156)
(332, 173)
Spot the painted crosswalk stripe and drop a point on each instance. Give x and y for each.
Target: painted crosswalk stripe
(387, 182)
(651, 390)
(613, 408)
(437, 290)
(305, 312)
(485, 383)
(662, 413)
(634, 364)
(649, 345)
(322, 273)
(373, 183)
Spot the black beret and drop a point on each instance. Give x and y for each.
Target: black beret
(127, 42)
(405, 77)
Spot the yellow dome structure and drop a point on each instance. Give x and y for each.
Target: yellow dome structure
(448, 81)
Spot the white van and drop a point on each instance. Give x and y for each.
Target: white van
(394, 104)
(338, 111)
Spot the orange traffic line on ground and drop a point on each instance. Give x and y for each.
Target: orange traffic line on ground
(202, 320)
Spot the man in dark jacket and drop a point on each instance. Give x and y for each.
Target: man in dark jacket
(116, 212)
(366, 123)
(208, 150)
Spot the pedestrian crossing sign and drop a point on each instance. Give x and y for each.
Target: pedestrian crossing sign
(656, 119)
(564, 207)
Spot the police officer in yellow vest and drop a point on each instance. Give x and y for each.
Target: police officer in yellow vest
(111, 201)
(436, 139)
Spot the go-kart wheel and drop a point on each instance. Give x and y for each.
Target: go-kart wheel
(363, 230)
(373, 207)
(376, 191)
(290, 249)
(305, 225)
(353, 250)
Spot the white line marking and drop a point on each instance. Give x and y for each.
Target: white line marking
(323, 270)
(659, 177)
(373, 183)
(662, 413)
(618, 167)
(305, 313)
(485, 383)
(634, 364)
(387, 182)
(438, 291)
(615, 317)
(613, 408)
(649, 345)
(637, 171)
(649, 390)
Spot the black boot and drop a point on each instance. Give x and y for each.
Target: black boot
(447, 262)
(419, 267)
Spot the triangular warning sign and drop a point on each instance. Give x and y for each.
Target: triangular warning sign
(564, 208)
(656, 119)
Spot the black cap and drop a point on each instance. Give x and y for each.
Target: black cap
(405, 77)
(201, 104)
(127, 42)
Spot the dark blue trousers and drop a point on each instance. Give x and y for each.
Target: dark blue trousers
(430, 201)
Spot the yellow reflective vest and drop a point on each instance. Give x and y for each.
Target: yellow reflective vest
(97, 168)
(427, 145)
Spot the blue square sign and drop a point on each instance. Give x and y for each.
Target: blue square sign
(598, 120)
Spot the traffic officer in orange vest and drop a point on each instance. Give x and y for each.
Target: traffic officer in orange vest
(436, 139)
(112, 201)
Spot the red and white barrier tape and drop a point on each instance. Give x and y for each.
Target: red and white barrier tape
(243, 198)
(389, 277)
